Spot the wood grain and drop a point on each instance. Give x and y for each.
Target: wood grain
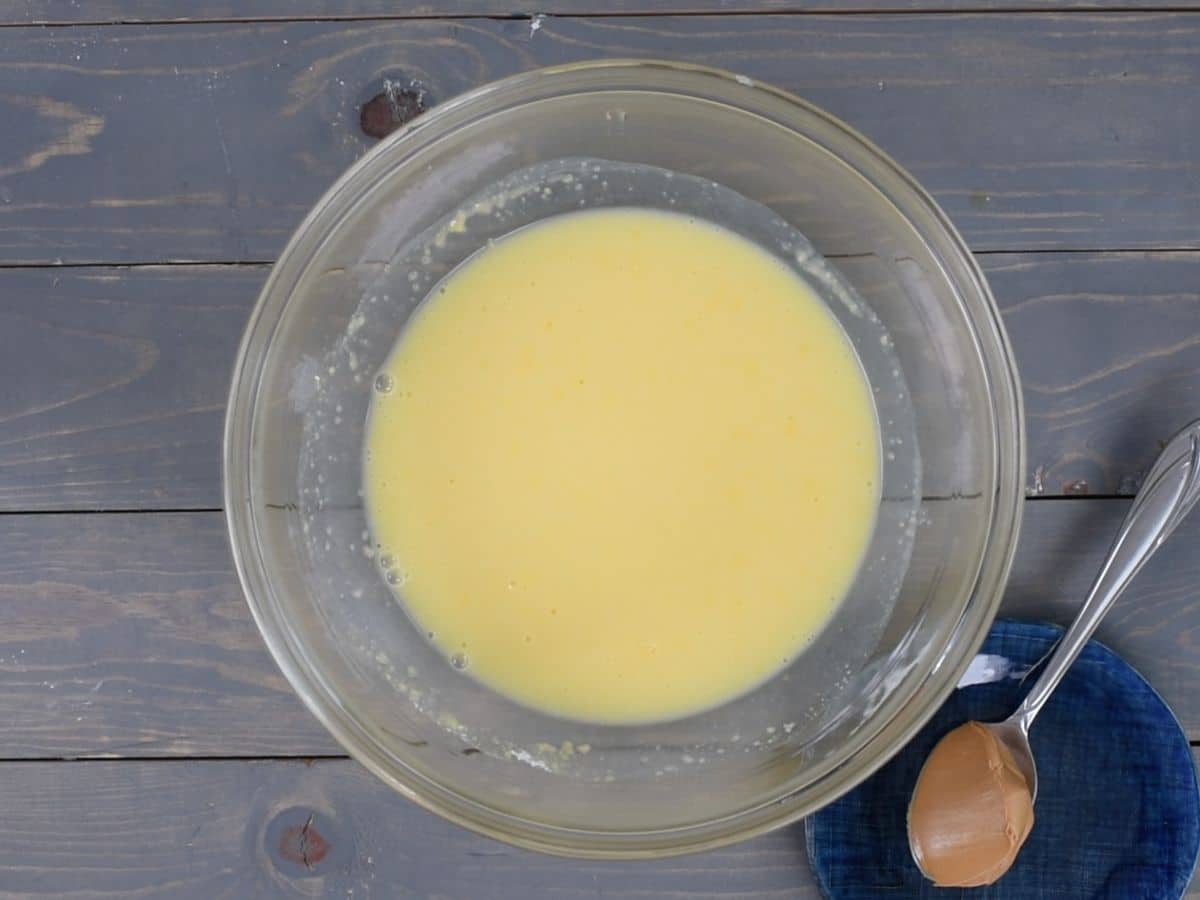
(114, 383)
(217, 829)
(1108, 347)
(228, 830)
(114, 388)
(127, 635)
(57, 12)
(1071, 131)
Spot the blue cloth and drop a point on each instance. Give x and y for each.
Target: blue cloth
(1117, 814)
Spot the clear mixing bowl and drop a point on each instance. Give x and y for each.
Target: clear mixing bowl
(758, 161)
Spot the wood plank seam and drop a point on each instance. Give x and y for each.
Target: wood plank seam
(601, 12)
(267, 263)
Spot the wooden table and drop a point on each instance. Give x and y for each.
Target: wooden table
(156, 155)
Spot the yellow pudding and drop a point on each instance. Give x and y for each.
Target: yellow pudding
(624, 464)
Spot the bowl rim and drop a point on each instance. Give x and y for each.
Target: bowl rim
(992, 348)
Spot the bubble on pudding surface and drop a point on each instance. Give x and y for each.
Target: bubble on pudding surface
(384, 383)
(459, 661)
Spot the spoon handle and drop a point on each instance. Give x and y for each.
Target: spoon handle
(1171, 489)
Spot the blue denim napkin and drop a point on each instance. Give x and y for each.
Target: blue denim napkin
(1117, 814)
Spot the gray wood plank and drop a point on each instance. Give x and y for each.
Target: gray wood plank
(113, 384)
(1108, 347)
(127, 635)
(209, 830)
(1035, 131)
(57, 12)
(229, 829)
(114, 387)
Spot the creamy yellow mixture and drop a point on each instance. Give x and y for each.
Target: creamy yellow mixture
(624, 463)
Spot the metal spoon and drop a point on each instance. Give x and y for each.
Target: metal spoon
(1168, 494)
(1171, 489)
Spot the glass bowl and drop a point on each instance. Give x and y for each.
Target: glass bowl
(756, 160)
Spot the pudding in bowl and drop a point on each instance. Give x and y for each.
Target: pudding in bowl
(621, 465)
